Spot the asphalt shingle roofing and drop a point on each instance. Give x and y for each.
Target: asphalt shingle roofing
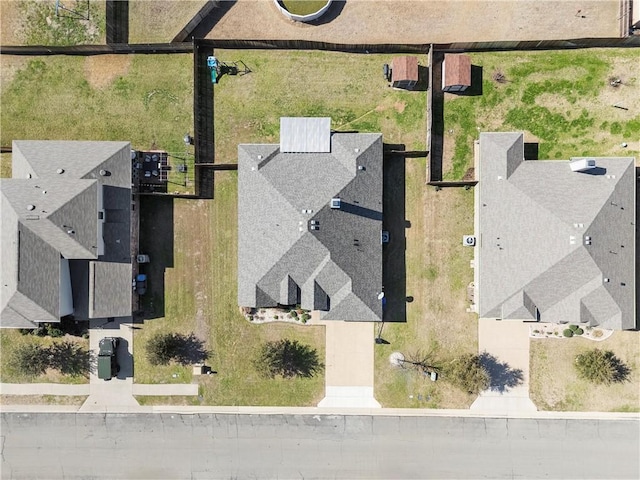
(293, 247)
(50, 220)
(555, 245)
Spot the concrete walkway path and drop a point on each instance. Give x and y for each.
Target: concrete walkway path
(349, 365)
(504, 346)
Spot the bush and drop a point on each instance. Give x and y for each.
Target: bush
(568, 333)
(573, 327)
(596, 333)
(287, 359)
(30, 359)
(275, 317)
(468, 374)
(578, 331)
(305, 317)
(601, 367)
(163, 348)
(293, 313)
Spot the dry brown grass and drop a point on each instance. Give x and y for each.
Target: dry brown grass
(153, 21)
(101, 70)
(42, 399)
(437, 275)
(554, 383)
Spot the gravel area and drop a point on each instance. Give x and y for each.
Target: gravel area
(428, 21)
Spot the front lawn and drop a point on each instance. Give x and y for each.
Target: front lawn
(555, 384)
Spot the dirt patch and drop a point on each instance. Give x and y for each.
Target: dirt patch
(11, 27)
(102, 70)
(400, 106)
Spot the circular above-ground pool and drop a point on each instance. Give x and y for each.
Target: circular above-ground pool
(303, 10)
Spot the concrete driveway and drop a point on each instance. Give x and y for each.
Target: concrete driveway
(504, 346)
(349, 365)
(116, 392)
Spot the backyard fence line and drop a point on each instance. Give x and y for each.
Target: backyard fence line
(365, 48)
(85, 50)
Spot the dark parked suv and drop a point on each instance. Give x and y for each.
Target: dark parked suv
(107, 358)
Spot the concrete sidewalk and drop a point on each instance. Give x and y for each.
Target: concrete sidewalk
(507, 343)
(349, 365)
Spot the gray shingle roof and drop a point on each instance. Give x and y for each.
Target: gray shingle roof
(336, 268)
(50, 214)
(532, 254)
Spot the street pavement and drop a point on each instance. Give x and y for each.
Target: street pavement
(212, 446)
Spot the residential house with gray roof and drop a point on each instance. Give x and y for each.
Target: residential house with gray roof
(310, 221)
(66, 232)
(556, 240)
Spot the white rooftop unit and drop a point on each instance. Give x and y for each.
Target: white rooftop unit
(305, 134)
(582, 164)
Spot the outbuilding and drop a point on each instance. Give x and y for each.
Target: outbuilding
(404, 72)
(456, 73)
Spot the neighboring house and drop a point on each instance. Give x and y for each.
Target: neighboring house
(456, 72)
(66, 232)
(310, 221)
(554, 244)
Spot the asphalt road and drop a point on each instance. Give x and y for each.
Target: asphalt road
(212, 446)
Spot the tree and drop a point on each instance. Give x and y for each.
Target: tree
(601, 366)
(288, 359)
(30, 359)
(468, 373)
(162, 348)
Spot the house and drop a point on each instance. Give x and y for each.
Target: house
(66, 232)
(456, 73)
(310, 221)
(556, 240)
(404, 72)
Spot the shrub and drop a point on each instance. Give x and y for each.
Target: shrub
(578, 331)
(30, 359)
(568, 333)
(305, 317)
(468, 374)
(293, 313)
(287, 358)
(601, 367)
(573, 327)
(163, 348)
(597, 333)
(275, 317)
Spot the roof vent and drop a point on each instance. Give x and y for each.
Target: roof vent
(28, 175)
(361, 167)
(60, 171)
(582, 164)
(335, 203)
(31, 207)
(71, 231)
(357, 150)
(44, 192)
(103, 173)
(468, 240)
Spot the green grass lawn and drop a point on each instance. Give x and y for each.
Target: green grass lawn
(69, 98)
(561, 99)
(5, 165)
(303, 7)
(348, 88)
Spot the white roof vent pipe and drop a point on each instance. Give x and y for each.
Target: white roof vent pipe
(582, 164)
